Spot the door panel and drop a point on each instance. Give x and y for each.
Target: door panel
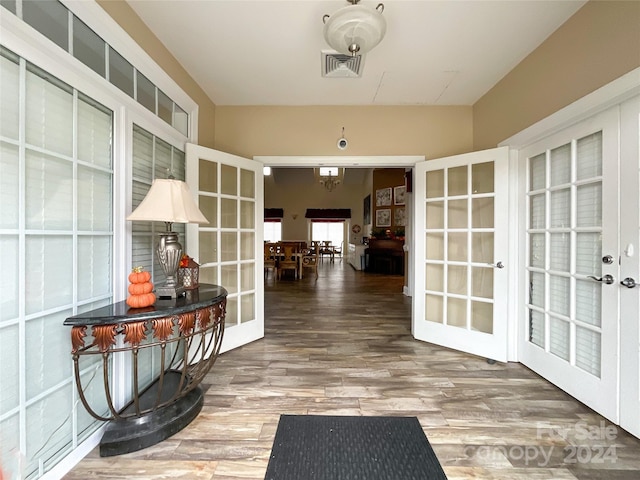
(460, 298)
(229, 248)
(571, 324)
(630, 267)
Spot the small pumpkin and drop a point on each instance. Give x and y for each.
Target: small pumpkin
(138, 275)
(141, 301)
(141, 289)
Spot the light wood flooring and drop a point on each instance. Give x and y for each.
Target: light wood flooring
(342, 345)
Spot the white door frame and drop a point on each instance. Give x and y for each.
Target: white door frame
(381, 161)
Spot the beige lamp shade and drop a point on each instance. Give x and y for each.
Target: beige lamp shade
(168, 200)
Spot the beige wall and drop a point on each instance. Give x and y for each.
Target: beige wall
(314, 130)
(598, 44)
(124, 15)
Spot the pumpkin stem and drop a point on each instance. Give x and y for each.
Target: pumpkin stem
(137, 269)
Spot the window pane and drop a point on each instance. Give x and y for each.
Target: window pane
(537, 172)
(46, 341)
(559, 338)
(181, 120)
(589, 253)
(536, 214)
(482, 178)
(94, 200)
(49, 122)
(560, 259)
(588, 346)
(9, 184)
(49, 18)
(9, 280)
(94, 277)
(49, 192)
(589, 205)
(589, 156)
(146, 92)
(49, 261)
(536, 328)
(559, 294)
(560, 165)
(165, 107)
(561, 208)
(457, 213)
(88, 47)
(435, 184)
(121, 72)
(457, 180)
(94, 133)
(9, 95)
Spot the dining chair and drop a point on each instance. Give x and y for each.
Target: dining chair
(270, 260)
(288, 259)
(310, 260)
(326, 249)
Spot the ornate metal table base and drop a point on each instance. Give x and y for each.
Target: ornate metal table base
(135, 433)
(186, 336)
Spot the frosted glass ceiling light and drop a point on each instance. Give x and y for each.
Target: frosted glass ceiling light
(355, 29)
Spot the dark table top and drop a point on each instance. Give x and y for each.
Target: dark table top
(120, 312)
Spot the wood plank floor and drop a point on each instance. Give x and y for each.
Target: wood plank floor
(342, 345)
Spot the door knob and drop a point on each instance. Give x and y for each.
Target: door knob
(608, 279)
(628, 282)
(496, 265)
(607, 259)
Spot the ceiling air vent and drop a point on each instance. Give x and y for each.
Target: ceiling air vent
(338, 65)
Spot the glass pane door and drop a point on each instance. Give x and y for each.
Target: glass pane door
(571, 314)
(229, 247)
(461, 230)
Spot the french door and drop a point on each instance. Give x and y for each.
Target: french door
(630, 267)
(461, 242)
(229, 249)
(571, 322)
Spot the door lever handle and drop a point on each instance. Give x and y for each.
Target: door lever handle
(608, 279)
(496, 265)
(628, 282)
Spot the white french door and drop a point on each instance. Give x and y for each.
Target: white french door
(630, 267)
(229, 249)
(571, 315)
(461, 243)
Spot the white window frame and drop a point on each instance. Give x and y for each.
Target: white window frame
(29, 44)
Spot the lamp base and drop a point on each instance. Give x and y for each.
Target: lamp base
(163, 291)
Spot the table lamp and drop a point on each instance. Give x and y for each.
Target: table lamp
(169, 201)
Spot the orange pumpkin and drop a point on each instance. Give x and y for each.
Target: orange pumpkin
(140, 289)
(141, 301)
(138, 275)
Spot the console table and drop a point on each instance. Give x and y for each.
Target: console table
(183, 336)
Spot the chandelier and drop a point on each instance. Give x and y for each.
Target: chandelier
(330, 182)
(355, 29)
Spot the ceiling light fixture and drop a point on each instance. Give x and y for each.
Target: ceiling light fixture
(329, 181)
(355, 29)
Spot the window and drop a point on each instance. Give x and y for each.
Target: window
(326, 230)
(273, 231)
(56, 250)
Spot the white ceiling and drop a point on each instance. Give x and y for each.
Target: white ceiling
(268, 52)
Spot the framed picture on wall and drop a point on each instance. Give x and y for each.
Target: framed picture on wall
(383, 197)
(383, 217)
(366, 210)
(398, 195)
(399, 217)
